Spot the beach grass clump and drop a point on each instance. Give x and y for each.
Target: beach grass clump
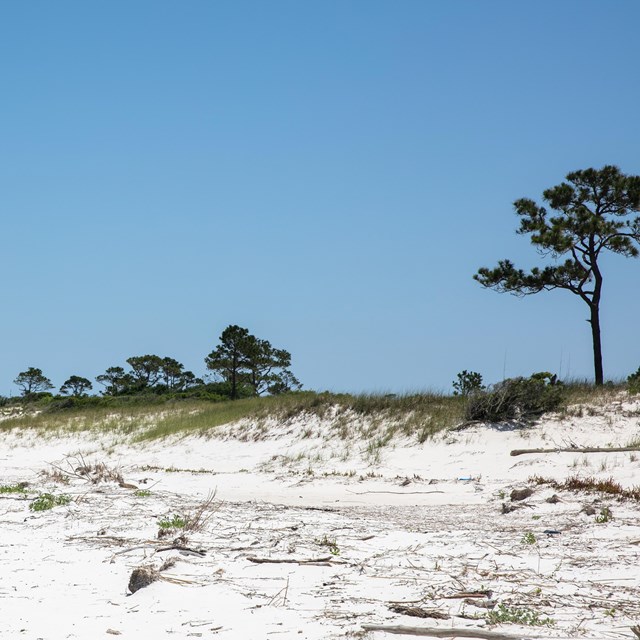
(46, 501)
(196, 519)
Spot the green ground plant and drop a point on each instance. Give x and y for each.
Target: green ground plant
(20, 487)
(604, 516)
(46, 501)
(503, 614)
(330, 543)
(176, 522)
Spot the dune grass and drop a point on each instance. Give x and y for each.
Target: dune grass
(377, 417)
(419, 414)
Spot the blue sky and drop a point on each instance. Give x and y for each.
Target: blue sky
(328, 174)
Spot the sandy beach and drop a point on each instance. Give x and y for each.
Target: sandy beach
(311, 537)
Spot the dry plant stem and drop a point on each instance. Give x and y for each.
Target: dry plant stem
(446, 633)
(519, 452)
(202, 514)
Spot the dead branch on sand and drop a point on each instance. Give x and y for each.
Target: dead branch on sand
(323, 559)
(446, 633)
(519, 452)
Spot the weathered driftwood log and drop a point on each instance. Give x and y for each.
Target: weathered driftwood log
(519, 452)
(447, 633)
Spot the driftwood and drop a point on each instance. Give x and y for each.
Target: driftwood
(519, 452)
(201, 553)
(323, 559)
(446, 633)
(418, 612)
(485, 593)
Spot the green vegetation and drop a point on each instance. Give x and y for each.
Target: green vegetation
(244, 361)
(177, 522)
(467, 382)
(76, 386)
(513, 615)
(517, 399)
(142, 493)
(529, 538)
(592, 217)
(14, 488)
(46, 501)
(633, 382)
(150, 417)
(604, 516)
(32, 381)
(331, 545)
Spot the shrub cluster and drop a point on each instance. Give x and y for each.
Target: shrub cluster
(634, 382)
(516, 399)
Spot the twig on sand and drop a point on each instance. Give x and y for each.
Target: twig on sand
(519, 452)
(445, 633)
(324, 559)
(201, 553)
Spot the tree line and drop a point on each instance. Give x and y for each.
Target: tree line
(242, 365)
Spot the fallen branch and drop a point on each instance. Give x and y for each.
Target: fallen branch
(289, 560)
(485, 593)
(418, 612)
(201, 553)
(519, 452)
(445, 633)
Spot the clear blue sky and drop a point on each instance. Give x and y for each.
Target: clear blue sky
(329, 174)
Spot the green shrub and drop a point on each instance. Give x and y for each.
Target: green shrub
(633, 381)
(46, 501)
(467, 382)
(517, 399)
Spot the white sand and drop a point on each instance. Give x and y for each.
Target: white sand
(289, 497)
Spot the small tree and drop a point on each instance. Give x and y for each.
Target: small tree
(115, 381)
(229, 359)
(243, 359)
(76, 386)
(32, 381)
(146, 371)
(175, 378)
(467, 383)
(592, 216)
